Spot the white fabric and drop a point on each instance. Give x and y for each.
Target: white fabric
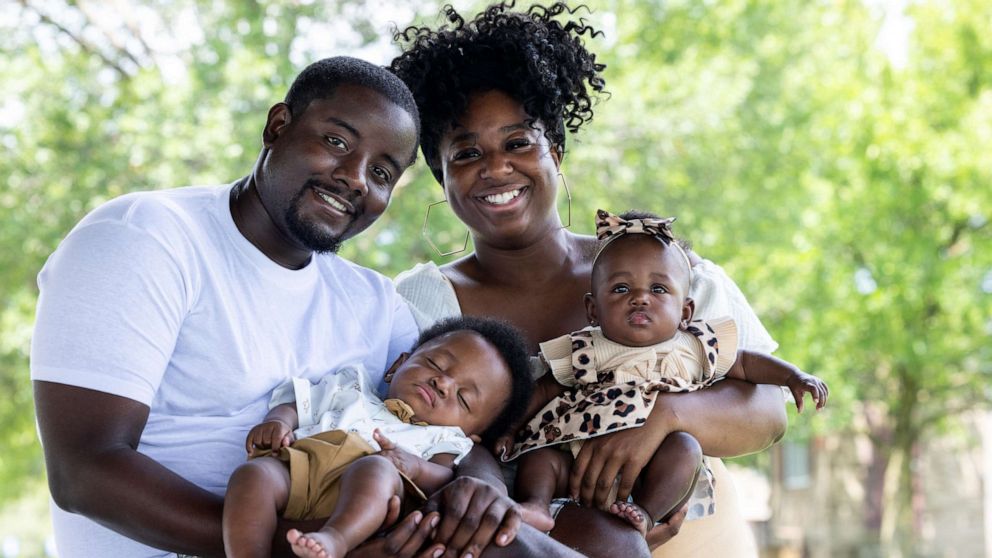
(430, 294)
(432, 297)
(157, 297)
(347, 400)
(716, 295)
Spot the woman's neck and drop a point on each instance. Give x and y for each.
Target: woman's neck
(541, 260)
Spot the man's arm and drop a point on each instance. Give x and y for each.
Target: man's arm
(90, 441)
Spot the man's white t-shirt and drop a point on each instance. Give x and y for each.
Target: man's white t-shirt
(157, 297)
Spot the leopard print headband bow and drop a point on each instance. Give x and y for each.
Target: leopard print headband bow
(609, 227)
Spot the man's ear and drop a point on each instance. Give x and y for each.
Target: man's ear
(591, 309)
(395, 366)
(475, 438)
(279, 117)
(688, 309)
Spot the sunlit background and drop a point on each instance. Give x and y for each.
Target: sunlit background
(834, 156)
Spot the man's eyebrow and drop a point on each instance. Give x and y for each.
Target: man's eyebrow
(395, 164)
(354, 131)
(344, 125)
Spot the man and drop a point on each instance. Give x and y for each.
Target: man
(166, 318)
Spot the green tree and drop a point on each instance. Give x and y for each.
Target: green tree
(845, 189)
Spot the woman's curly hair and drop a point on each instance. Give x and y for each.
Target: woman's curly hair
(528, 55)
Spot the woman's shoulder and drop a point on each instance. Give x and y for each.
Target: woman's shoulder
(427, 271)
(428, 292)
(588, 246)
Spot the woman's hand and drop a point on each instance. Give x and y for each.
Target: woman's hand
(407, 539)
(473, 515)
(602, 458)
(270, 435)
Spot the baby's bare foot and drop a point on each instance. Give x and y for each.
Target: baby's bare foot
(536, 515)
(319, 544)
(633, 514)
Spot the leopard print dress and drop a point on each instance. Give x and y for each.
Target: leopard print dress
(615, 386)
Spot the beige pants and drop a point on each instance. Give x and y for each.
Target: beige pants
(315, 466)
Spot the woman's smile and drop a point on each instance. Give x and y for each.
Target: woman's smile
(503, 198)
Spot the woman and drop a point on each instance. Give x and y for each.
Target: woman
(495, 96)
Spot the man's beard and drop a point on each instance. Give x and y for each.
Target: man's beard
(308, 233)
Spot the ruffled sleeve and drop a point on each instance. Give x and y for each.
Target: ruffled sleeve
(718, 339)
(557, 353)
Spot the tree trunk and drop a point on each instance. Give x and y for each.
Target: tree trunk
(896, 534)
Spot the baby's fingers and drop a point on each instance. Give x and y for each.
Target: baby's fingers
(384, 442)
(823, 393)
(799, 395)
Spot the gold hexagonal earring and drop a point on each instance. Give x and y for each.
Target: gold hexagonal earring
(425, 231)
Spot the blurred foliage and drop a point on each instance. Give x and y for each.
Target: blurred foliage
(838, 174)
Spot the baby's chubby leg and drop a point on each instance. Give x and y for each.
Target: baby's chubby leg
(363, 502)
(541, 476)
(256, 496)
(666, 483)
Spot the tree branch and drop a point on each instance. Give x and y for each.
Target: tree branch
(83, 43)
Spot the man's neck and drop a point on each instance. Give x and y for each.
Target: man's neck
(255, 224)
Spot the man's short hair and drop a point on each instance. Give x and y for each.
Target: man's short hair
(320, 79)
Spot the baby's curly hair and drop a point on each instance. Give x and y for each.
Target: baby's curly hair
(529, 55)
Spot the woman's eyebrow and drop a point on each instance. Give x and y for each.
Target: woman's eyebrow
(514, 128)
(465, 136)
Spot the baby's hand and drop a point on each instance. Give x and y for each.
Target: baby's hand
(801, 383)
(503, 445)
(273, 434)
(404, 461)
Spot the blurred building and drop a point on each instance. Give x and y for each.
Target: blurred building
(822, 499)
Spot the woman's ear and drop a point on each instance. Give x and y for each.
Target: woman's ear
(688, 309)
(279, 117)
(395, 366)
(591, 314)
